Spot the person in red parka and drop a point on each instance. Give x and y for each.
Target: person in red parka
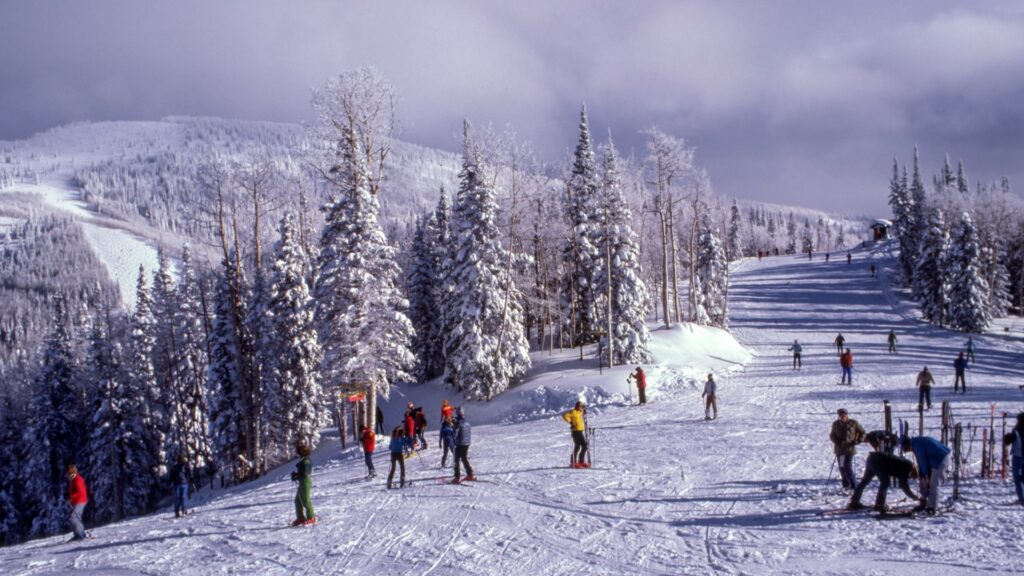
(846, 361)
(410, 424)
(369, 441)
(641, 383)
(78, 497)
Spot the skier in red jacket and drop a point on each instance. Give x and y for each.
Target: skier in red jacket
(641, 383)
(846, 361)
(369, 441)
(78, 497)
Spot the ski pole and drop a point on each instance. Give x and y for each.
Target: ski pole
(830, 471)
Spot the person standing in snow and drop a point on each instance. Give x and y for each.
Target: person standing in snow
(872, 270)
(849, 257)
(179, 481)
(960, 368)
(369, 441)
(839, 341)
(304, 514)
(969, 346)
(409, 418)
(710, 396)
(446, 410)
(447, 440)
(845, 435)
(380, 420)
(796, 349)
(884, 466)
(421, 426)
(846, 363)
(892, 341)
(462, 439)
(576, 418)
(924, 383)
(399, 447)
(641, 383)
(932, 460)
(826, 257)
(1015, 439)
(78, 497)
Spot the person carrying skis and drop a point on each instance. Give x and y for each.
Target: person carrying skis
(369, 441)
(447, 440)
(845, 435)
(924, 383)
(710, 396)
(400, 446)
(641, 383)
(304, 514)
(839, 341)
(969, 346)
(846, 363)
(884, 466)
(1015, 439)
(892, 341)
(78, 497)
(960, 368)
(462, 439)
(932, 460)
(421, 426)
(576, 418)
(796, 349)
(179, 481)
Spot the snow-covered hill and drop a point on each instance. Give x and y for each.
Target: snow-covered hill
(670, 493)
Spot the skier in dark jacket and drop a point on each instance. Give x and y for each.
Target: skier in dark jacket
(179, 480)
(796, 349)
(892, 341)
(462, 440)
(969, 347)
(380, 420)
(839, 342)
(400, 446)
(1015, 440)
(447, 440)
(884, 466)
(369, 442)
(845, 435)
(304, 514)
(960, 368)
(421, 426)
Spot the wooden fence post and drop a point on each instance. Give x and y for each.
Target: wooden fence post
(957, 453)
(888, 416)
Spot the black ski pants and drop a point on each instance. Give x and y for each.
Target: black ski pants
(958, 381)
(462, 457)
(643, 394)
(924, 397)
(396, 457)
(797, 363)
(873, 468)
(579, 446)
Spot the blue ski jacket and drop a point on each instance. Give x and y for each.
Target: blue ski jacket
(447, 435)
(399, 445)
(929, 453)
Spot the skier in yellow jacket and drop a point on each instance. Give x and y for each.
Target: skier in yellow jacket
(576, 418)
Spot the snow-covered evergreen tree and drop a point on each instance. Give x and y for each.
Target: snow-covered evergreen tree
(735, 241)
(160, 401)
(968, 292)
(486, 347)
(617, 241)
(806, 237)
(10, 468)
(918, 218)
(713, 276)
(580, 252)
(139, 375)
(424, 310)
(294, 400)
(931, 275)
(900, 203)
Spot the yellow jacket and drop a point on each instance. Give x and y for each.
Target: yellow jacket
(575, 419)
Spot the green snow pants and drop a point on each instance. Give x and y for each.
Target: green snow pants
(303, 501)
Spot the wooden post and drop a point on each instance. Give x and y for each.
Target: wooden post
(1006, 452)
(920, 420)
(946, 421)
(984, 453)
(888, 416)
(341, 419)
(992, 444)
(957, 451)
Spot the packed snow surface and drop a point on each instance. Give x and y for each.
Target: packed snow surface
(670, 493)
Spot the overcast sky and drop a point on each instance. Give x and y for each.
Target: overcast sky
(800, 102)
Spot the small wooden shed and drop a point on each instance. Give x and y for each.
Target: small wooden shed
(880, 230)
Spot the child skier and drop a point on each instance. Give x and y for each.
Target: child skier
(369, 441)
(447, 440)
(577, 423)
(78, 497)
(399, 447)
(304, 514)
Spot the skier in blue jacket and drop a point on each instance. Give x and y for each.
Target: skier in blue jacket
(399, 447)
(447, 440)
(932, 460)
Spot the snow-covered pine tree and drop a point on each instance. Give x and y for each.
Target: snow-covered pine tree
(735, 242)
(580, 252)
(160, 401)
(438, 233)
(617, 241)
(10, 468)
(713, 275)
(968, 290)
(900, 203)
(423, 308)
(791, 234)
(294, 399)
(53, 438)
(806, 237)
(487, 349)
(931, 275)
(918, 218)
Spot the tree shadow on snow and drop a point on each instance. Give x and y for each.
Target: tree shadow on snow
(157, 539)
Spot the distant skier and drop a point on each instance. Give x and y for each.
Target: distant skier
(447, 440)
(380, 420)
(421, 426)
(641, 383)
(369, 441)
(304, 514)
(932, 460)
(78, 497)
(839, 342)
(872, 270)
(447, 411)
(826, 257)
(179, 481)
(892, 341)
(924, 384)
(577, 423)
(884, 466)
(810, 254)
(1015, 440)
(845, 435)
(710, 395)
(849, 258)
(462, 439)
(960, 370)
(969, 346)
(846, 362)
(400, 446)
(796, 349)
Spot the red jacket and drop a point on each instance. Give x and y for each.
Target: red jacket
(446, 411)
(846, 360)
(410, 425)
(641, 380)
(76, 491)
(369, 440)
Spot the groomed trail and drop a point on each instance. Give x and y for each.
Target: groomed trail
(670, 493)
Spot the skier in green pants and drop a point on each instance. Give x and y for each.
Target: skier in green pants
(304, 514)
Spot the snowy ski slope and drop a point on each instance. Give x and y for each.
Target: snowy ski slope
(669, 493)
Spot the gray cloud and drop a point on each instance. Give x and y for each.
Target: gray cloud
(791, 101)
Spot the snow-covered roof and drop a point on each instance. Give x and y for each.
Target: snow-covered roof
(882, 222)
